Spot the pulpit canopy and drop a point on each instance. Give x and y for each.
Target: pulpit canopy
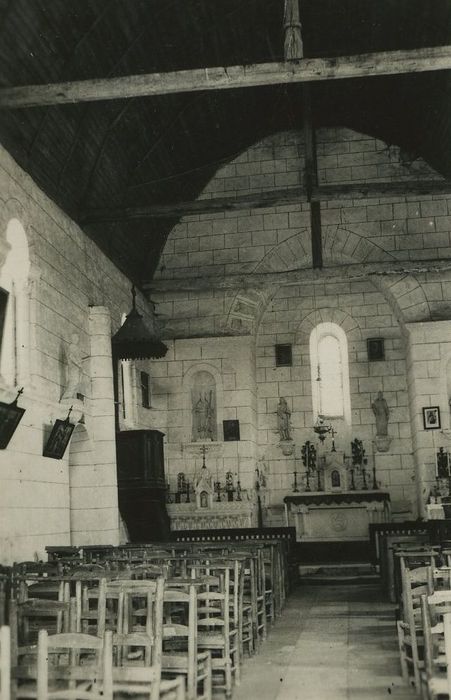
(137, 338)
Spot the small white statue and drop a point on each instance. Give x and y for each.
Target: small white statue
(283, 419)
(74, 366)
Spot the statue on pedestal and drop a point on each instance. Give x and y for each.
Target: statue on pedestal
(203, 414)
(283, 420)
(382, 413)
(74, 366)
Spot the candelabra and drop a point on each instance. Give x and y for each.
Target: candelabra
(309, 460)
(359, 461)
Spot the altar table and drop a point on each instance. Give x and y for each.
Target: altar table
(342, 516)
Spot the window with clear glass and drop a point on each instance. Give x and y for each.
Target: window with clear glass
(330, 372)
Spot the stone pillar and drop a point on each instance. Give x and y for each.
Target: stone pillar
(94, 489)
(428, 352)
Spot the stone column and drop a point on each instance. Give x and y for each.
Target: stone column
(99, 518)
(428, 351)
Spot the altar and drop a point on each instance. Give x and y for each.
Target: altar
(342, 516)
(215, 516)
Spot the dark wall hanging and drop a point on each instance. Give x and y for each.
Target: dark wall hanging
(58, 440)
(10, 417)
(231, 430)
(376, 349)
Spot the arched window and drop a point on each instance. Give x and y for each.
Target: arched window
(14, 360)
(330, 372)
(126, 379)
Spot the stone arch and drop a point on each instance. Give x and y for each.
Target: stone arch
(341, 244)
(328, 315)
(14, 209)
(18, 276)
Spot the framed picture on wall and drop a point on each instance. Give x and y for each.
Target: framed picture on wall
(231, 430)
(55, 446)
(431, 417)
(375, 349)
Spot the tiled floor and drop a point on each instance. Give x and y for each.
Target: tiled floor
(331, 643)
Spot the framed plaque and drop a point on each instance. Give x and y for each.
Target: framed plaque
(231, 430)
(10, 417)
(58, 440)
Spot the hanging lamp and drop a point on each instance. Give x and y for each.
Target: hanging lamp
(138, 338)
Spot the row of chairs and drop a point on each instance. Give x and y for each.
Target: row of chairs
(202, 606)
(423, 596)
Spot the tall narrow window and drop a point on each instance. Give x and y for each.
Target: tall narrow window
(145, 390)
(126, 375)
(14, 358)
(330, 372)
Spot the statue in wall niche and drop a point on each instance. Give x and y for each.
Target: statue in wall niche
(283, 419)
(203, 417)
(74, 367)
(382, 413)
(380, 408)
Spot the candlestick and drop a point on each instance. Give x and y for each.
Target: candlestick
(365, 485)
(375, 486)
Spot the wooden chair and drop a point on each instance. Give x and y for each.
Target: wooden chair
(436, 610)
(416, 582)
(5, 663)
(180, 644)
(68, 666)
(218, 627)
(143, 682)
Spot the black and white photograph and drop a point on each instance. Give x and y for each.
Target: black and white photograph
(225, 293)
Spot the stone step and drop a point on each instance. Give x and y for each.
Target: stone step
(346, 572)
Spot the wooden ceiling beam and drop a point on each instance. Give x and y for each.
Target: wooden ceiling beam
(271, 198)
(300, 276)
(229, 77)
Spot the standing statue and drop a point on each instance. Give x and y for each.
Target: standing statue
(283, 419)
(74, 366)
(382, 413)
(203, 414)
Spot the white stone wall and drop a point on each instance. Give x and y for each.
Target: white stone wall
(42, 500)
(404, 231)
(231, 361)
(362, 311)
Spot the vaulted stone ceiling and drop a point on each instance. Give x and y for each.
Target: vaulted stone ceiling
(157, 150)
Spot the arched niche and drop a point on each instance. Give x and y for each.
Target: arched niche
(16, 307)
(203, 404)
(204, 425)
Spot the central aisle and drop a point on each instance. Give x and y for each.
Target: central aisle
(331, 643)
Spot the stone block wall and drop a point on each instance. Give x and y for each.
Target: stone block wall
(362, 311)
(406, 232)
(231, 361)
(73, 289)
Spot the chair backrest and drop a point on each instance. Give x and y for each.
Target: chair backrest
(415, 583)
(70, 658)
(5, 663)
(436, 615)
(139, 609)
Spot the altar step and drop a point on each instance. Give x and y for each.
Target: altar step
(337, 573)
